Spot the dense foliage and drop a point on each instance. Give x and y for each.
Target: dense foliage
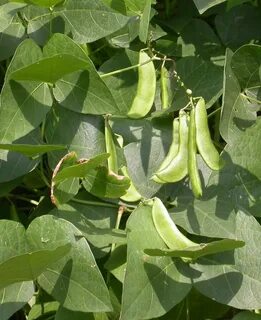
(110, 208)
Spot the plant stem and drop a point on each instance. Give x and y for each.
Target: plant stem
(112, 73)
(95, 203)
(34, 202)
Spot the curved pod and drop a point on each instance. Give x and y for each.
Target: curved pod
(177, 169)
(167, 229)
(192, 157)
(144, 98)
(204, 143)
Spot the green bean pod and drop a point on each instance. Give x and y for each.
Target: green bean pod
(177, 168)
(110, 148)
(192, 157)
(144, 98)
(204, 143)
(167, 229)
(164, 92)
(132, 194)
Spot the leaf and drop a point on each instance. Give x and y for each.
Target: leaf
(197, 38)
(10, 38)
(95, 223)
(23, 105)
(102, 183)
(14, 297)
(202, 77)
(82, 130)
(29, 266)
(239, 26)
(204, 5)
(38, 310)
(81, 169)
(76, 288)
(124, 85)
(143, 158)
(236, 114)
(13, 164)
(86, 20)
(195, 252)
(31, 150)
(49, 69)
(232, 278)
(245, 64)
(157, 279)
(7, 13)
(144, 21)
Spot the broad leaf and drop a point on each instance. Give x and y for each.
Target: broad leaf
(247, 315)
(237, 112)
(144, 21)
(149, 280)
(233, 278)
(29, 266)
(23, 105)
(7, 12)
(95, 222)
(10, 38)
(75, 287)
(87, 20)
(84, 135)
(14, 297)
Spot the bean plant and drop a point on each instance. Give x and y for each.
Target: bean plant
(130, 159)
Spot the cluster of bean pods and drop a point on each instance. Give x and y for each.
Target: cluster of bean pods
(190, 134)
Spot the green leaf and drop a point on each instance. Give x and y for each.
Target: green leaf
(13, 164)
(10, 38)
(49, 69)
(86, 20)
(7, 13)
(122, 86)
(236, 113)
(195, 252)
(29, 266)
(144, 21)
(245, 64)
(81, 169)
(14, 297)
(31, 150)
(239, 26)
(204, 5)
(94, 221)
(233, 278)
(42, 309)
(149, 280)
(75, 287)
(102, 183)
(203, 77)
(197, 38)
(23, 105)
(84, 135)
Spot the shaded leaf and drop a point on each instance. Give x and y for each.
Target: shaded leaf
(7, 12)
(31, 150)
